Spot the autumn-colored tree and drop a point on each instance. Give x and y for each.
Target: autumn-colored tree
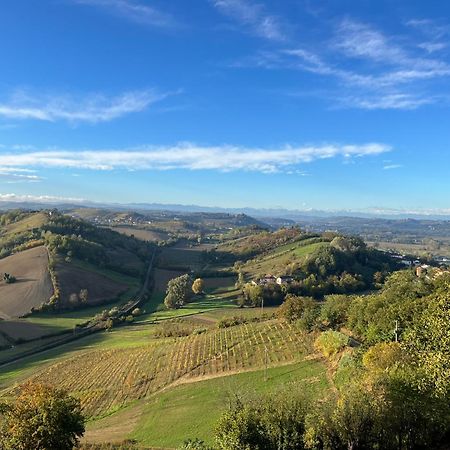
(198, 286)
(41, 418)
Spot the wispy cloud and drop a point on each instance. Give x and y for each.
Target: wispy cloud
(92, 108)
(18, 175)
(392, 166)
(371, 69)
(254, 17)
(388, 101)
(191, 157)
(133, 11)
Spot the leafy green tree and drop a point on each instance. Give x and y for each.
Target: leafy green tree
(252, 295)
(178, 292)
(41, 418)
(272, 422)
(334, 311)
(429, 340)
(303, 309)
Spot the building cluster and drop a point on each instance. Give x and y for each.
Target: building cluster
(282, 280)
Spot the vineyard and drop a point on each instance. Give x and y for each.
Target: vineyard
(107, 379)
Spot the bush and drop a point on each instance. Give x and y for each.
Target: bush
(331, 342)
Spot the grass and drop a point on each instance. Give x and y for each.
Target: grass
(192, 410)
(276, 261)
(109, 371)
(27, 223)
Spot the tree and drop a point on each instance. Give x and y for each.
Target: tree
(240, 280)
(334, 311)
(252, 295)
(296, 308)
(429, 340)
(178, 292)
(198, 286)
(272, 422)
(331, 342)
(83, 296)
(41, 418)
(73, 299)
(8, 278)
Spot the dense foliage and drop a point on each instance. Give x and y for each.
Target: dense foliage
(41, 418)
(179, 292)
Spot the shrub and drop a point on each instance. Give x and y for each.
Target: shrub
(331, 342)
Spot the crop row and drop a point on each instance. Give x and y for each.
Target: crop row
(107, 379)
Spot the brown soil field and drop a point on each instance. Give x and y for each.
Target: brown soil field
(127, 260)
(33, 285)
(162, 277)
(100, 287)
(17, 329)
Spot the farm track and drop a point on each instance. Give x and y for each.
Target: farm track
(107, 380)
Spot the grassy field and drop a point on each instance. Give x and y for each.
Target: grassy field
(191, 410)
(182, 256)
(27, 223)
(141, 233)
(120, 370)
(276, 261)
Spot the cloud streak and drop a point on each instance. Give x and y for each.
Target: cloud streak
(371, 69)
(18, 175)
(252, 16)
(133, 11)
(93, 108)
(190, 157)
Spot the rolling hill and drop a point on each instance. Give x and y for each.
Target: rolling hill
(61, 264)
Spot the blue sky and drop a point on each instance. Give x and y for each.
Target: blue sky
(297, 104)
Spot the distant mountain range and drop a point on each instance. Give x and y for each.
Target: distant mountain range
(290, 215)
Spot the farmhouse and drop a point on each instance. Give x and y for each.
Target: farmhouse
(284, 280)
(268, 279)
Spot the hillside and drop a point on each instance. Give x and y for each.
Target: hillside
(33, 285)
(163, 225)
(61, 264)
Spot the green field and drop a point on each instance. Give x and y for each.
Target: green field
(191, 410)
(276, 261)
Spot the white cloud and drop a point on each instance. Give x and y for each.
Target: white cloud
(254, 17)
(432, 47)
(92, 108)
(133, 11)
(372, 69)
(18, 175)
(361, 41)
(388, 101)
(392, 166)
(38, 198)
(190, 156)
